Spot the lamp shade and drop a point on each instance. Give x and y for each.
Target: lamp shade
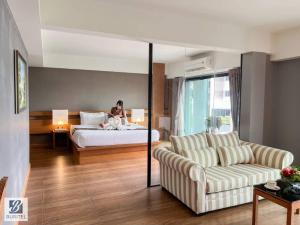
(137, 115)
(60, 117)
(164, 122)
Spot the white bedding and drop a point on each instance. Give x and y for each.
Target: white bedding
(100, 137)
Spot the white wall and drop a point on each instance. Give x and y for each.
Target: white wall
(285, 45)
(222, 61)
(95, 63)
(175, 69)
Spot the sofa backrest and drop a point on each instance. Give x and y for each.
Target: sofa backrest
(202, 147)
(206, 157)
(223, 140)
(194, 141)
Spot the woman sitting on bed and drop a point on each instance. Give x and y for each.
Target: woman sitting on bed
(115, 117)
(118, 110)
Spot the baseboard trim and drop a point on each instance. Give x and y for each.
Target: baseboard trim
(26, 181)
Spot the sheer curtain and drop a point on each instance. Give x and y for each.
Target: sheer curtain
(235, 79)
(178, 106)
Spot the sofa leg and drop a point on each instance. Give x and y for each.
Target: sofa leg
(199, 214)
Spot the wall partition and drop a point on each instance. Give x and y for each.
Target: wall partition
(196, 95)
(149, 146)
(156, 110)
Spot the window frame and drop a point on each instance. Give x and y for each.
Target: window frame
(208, 76)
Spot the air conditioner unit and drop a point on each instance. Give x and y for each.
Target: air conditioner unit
(199, 65)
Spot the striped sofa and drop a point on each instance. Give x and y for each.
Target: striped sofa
(208, 188)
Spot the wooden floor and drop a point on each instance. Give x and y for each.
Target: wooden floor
(114, 192)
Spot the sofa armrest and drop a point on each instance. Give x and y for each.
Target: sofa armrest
(190, 169)
(271, 157)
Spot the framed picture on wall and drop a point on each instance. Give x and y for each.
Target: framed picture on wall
(20, 73)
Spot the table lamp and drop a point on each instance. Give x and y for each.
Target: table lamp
(137, 115)
(60, 119)
(164, 123)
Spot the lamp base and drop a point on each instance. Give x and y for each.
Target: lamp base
(60, 128)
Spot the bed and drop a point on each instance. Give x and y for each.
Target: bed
(90, 142)
(90, 135)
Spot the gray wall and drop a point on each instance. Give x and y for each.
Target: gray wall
(270, 107)
(286, 106)
(256, 73)
(14, 129)
(85, 90)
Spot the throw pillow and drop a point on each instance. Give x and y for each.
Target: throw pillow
(236, 155)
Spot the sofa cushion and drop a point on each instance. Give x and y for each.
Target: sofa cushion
(235, 155)
(257, 174)
(207, 157)
(222, 179)
(194, 141)
(217, 140)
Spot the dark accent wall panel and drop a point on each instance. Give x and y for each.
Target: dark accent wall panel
(270, 102)
(286, 106)
(254, 97)
(76, 90)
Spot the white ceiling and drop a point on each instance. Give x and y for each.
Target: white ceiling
(27, 17)
(53, 30)
(67, 43)
(273, 15)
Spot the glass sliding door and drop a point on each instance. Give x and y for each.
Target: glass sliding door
(221, 108)
(207, 105)
(197, 105)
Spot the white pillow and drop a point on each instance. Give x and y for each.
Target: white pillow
(92, 118)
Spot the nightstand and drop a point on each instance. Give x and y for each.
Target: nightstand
(58, 134)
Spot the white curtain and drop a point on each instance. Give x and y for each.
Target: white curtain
(178, 106)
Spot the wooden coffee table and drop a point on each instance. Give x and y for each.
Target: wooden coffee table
(292, 206)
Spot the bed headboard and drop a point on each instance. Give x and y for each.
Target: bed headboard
(41, 121)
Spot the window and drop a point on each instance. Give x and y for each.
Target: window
(207, 105)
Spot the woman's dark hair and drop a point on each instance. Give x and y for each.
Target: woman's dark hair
(120, 103)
